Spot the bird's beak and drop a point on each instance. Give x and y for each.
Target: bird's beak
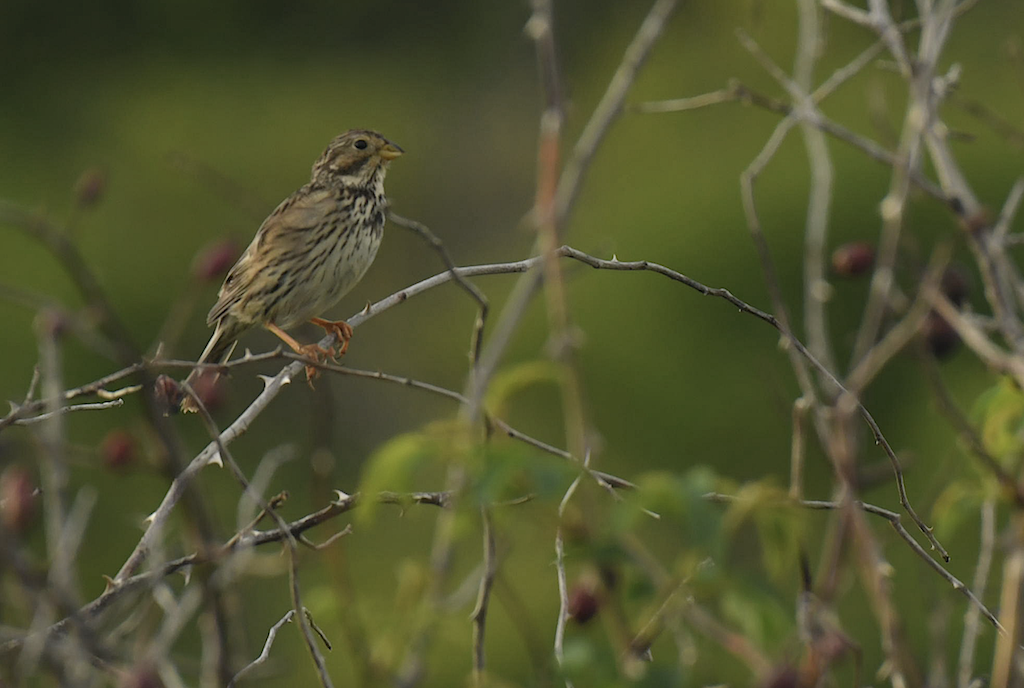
(390, 151)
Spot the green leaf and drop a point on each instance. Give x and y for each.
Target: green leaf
(757, 614)
(393, 467)
(999, 412)
(678, 500)
(508, 470)
(780, 525)
(510, 381)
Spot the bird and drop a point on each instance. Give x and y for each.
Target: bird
(309, 252)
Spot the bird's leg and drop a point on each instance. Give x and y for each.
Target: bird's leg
(313, 351)
(340, 329)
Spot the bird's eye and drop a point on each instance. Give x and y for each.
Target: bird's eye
(361, 144)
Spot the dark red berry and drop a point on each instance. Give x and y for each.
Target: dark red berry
(956, 284)
(939, 335)
(213, 261)
(853, 259)
(583, 603)
(118, 449)
(17, 498)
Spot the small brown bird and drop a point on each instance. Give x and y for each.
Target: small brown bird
(308, 253)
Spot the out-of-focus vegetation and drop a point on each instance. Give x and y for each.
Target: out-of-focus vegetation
(198, 118)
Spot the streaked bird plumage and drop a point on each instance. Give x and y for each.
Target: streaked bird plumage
(315, 246)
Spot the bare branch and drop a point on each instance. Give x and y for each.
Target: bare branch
(476, 342)
(981, 571)
(69, 409)
(795, 343)
(894, 520)
(266, 648)
(479, 615)
(563, 588)
(289, 539)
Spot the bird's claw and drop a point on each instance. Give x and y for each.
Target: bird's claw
(341, 330)
(316, 353)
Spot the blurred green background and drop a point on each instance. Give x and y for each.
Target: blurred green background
(160, 96)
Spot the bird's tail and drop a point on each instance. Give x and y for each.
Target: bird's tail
(218, 350)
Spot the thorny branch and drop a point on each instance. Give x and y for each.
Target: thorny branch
(474, 292)
(274, 384)
(894, 520)
(294, 529)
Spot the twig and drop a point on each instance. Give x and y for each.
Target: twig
(571, 180)
(549, 225)
(977, 340)
(795, 343)
(649, 632)
(476, 341)
(971, 616)
(723, 95)
(967, 433)
(998, 241)
(563, 588)
(1006, 662)
(869, 558)
(610, 106)
(116, 591)
(29, 407)
(64, 250)
(820, 193)
(289, 539)
(735, 644)
(266, 648)
(1008, 212)
(747, 181)
(870, 148)
(53, 469)
(903, 332)
(68, 409)
(479, 615)
(177, 614)
(894, 520)
(607, 481)
(797, 449)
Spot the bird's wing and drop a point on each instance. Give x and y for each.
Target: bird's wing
(282, 233)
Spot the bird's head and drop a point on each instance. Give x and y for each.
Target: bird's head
(356, 158)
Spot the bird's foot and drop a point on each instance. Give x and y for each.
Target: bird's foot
(340, 329)
(316, 353)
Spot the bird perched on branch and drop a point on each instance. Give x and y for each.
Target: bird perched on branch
(307, 254)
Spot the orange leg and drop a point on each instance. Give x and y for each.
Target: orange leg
(340, 329)
(313, 351)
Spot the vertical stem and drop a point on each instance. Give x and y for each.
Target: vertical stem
(1006, 668)
(972, 616)
(53, 469)
(479, 615)
(797, 450)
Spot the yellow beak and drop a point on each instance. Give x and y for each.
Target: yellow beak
(390, 151)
